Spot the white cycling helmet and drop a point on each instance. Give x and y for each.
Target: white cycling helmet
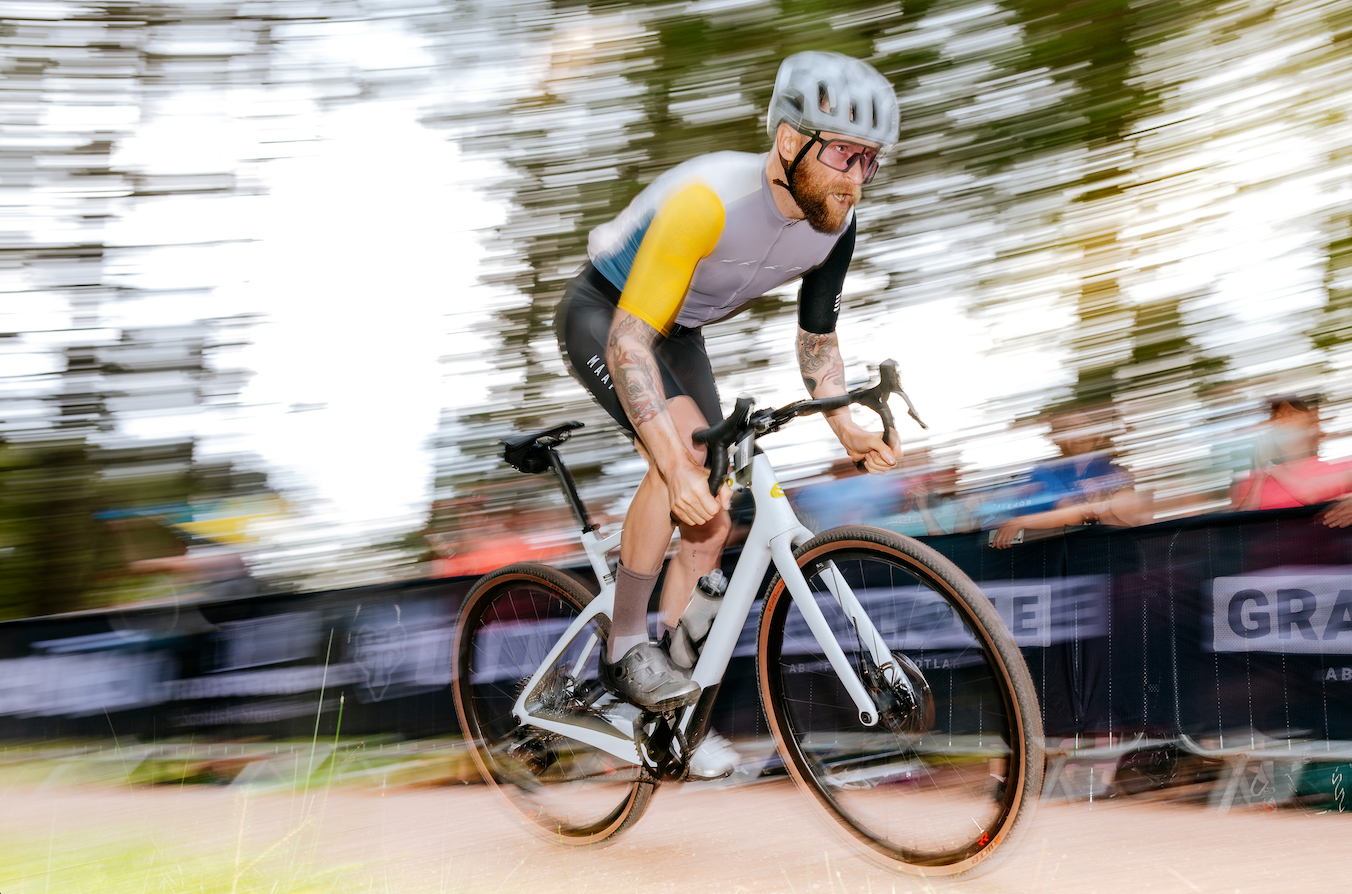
(859, 101)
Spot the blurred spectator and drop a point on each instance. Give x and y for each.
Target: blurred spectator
(1287, 470)
(930, 503)
(485, 540)
(1339, 515)
(846, 497)
(201, 569)
(1084, 486)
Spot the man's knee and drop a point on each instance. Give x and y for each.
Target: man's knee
(714, 531)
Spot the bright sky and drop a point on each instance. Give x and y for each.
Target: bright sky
(362, 264)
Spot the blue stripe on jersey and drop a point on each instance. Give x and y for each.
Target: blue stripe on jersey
(616, 265)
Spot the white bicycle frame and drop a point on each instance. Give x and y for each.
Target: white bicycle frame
(774, 534)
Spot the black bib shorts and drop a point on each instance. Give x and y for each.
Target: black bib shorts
(582, 324)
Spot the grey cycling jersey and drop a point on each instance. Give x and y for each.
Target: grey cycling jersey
(743, 247)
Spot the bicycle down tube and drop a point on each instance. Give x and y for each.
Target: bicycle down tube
(774, 533)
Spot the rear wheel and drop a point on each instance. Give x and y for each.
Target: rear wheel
(949, 774)
(569, 791)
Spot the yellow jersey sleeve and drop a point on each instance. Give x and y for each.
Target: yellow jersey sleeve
(684, 230)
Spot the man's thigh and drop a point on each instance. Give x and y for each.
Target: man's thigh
(584, 328)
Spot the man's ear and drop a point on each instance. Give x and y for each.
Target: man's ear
(787, 141)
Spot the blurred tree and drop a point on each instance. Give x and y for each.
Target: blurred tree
(1089, 45)
(54, 549)
(1332, 329)
(624, 92)
(76, 84)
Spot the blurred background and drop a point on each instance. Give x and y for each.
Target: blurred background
(278, 274)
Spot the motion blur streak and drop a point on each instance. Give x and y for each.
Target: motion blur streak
(1138, 210)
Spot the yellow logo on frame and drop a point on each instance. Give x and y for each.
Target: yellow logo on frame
(776, 490)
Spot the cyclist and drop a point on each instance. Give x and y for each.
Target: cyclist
(698, 245)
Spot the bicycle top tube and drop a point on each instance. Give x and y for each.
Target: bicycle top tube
(745, 425)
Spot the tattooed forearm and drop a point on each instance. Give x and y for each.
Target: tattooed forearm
(629, 354)
(819, 360)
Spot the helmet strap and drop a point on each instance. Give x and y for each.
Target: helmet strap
(790, 168)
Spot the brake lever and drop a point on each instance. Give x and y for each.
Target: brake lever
(910, 410)
(889, 382)
(718, 439)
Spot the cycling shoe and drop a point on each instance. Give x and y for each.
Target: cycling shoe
(715, 758)
(645, 676)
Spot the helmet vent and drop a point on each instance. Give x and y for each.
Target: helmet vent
(853, 100)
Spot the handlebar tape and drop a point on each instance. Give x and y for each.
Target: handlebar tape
(718, 438)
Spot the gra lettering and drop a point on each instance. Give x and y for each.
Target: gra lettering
(1260, 625)
(1290, 614)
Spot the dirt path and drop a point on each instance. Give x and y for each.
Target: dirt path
(761, 838)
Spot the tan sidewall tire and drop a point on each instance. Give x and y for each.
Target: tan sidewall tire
(576, 597)
(1020, 695)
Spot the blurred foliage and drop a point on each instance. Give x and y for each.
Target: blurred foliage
(1074, 173)
(1332, 329)
(1043, 145)
(68, 75)
(56, 555)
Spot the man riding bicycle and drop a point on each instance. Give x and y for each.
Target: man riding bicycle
(696, 246)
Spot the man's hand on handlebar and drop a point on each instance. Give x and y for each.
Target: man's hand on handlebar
(688, 491)
(863, 446)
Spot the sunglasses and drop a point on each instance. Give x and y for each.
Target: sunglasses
(841, 155)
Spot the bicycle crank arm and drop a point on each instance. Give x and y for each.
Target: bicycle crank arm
(590, 730)
(782, 550)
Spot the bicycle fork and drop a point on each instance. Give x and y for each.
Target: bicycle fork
(872, 640)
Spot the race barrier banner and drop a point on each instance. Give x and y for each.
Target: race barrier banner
(1292, 610)
(1211, 627)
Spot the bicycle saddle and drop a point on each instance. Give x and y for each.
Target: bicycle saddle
(530, 452)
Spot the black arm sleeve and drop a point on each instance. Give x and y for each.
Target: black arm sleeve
(819, 297)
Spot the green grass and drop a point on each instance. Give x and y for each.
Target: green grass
(139, 856)
(42, 866)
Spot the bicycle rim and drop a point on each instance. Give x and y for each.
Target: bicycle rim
(955, 784)
(570, 792)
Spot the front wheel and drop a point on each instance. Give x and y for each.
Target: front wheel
(568, 791)
(949, 774)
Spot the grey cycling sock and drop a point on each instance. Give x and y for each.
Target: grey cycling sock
(629, 626)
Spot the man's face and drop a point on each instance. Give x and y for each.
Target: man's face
(1075, 434)
(826, 195)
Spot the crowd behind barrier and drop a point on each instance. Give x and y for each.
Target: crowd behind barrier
(1226, 630)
